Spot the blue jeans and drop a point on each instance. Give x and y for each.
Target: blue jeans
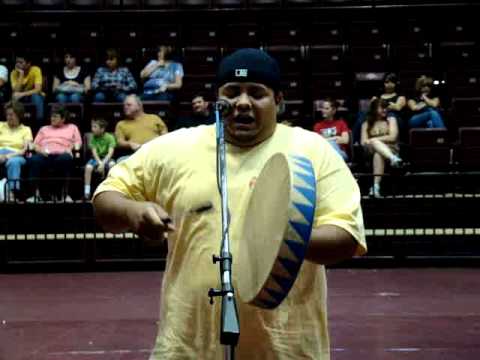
(429, 118)
(338, 149)
(38, 101)
(14, 168)
(65, 98)
(107, 96)
(163, 96)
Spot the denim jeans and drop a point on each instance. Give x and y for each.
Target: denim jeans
(429, 118)
(60, 164)
(14, 169)
(38, 101)
(102, 96)
(163, 96)
(65, 98)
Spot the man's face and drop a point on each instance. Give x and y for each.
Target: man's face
(328, 111)
(22, 64)
(56, 120)
(254, 115)
(199, 105)
(389, 86)
(130, 107)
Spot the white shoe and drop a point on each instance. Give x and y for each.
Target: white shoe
(396, 161)
(375, 192)
(34, 199)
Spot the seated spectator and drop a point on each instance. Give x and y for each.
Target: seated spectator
(27, 82)
(14, 141)
(112, 83)
(335, 131)
(3, 84)
(396, 105)
(138, 127)
(72, 82)
(425, 107)
(380, 140)
(201, 114)
(54, 146)
(162, 76)
(102, 145)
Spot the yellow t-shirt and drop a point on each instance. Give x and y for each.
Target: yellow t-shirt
(33, 77)
(178, 171)
(140, 130)
(14, 139)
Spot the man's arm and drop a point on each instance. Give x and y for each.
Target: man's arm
(330, 244)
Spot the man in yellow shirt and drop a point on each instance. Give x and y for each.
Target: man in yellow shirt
(170, 185)
(138, 128)
(27, 82)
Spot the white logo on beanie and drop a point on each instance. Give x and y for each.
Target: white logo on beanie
(241, 72)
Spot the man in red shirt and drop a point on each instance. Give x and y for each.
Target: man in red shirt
(335, 131)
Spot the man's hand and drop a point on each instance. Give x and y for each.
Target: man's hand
(134, 146)
(148, 220)
(17, 95)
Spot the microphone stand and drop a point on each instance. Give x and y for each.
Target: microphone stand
(229, 327)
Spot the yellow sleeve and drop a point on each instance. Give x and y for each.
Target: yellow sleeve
(338, 197)
(162, 127)
(128, 177)
(37, 76)
(28, 137)
(119, 133)
(14, 78)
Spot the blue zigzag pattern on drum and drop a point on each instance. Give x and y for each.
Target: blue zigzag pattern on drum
(297, 236)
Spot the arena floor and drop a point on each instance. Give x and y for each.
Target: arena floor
(427, 314)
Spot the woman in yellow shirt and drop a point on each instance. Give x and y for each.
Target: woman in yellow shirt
(14, 139)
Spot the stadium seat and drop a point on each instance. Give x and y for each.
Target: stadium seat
(463, 83)
(123, 4)
(325, 34)
(294, 3)
(430, 150)
(370, 59)
(156, 35)
(86, 3)
(229, 4)
(366, 33)
(201, 35)
(459, 55)
(292, 88)
(411, 32)
(329, 85)
(466, 111)
(290, 58)
(200, 60)
(294, 111)
(284, 34)
(14, 3)
(413, 57)
(241, 35)
(265, 3)
(159, 3)
(58, 4)
(327, 58)
(161, 108)
(112, 112)
(467, 154)
(458, 31)
(194, 85)
(193, 3)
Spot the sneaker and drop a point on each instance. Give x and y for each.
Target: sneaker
(34, 199)
(375, 192)
(396, 162)
(68, 199)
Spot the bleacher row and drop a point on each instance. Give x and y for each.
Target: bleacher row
(205, 4)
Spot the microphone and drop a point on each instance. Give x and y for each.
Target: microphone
(223, 107)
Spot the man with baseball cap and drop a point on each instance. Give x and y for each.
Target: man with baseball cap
(170, 185)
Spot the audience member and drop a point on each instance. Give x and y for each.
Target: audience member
(54, 146)
(335, 131)
(27, 82)
(426, 106)
(112, 82)
(202, 114)
(14, 140)
(396, 105)
(162, 76)
(138, 127)
(102, 145)
(72, 81)
(380, 140)
(3, 84)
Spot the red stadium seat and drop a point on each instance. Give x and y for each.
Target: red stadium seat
(201, 35)
(413, 57)
(329, 84)
(284, 34)
(370, 59)
(290, 58)
(366, 33)
(327, 58)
